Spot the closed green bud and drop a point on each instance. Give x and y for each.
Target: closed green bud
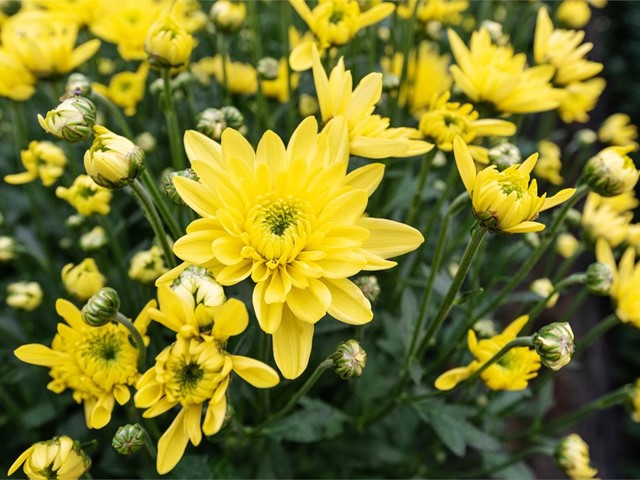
(611, 172)
(213, 121)
(599, 279)
(78, 84)
(101, 308)
(554, 344)
(72, 120)
(504, 156)
(170, 189)
(129, 439)
(349, 359)
(369, 286)
(268, 68)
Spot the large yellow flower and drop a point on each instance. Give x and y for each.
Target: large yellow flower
(97, 363)
(608, 217)
(625, 289)
(293, 220)
(59, 457)
(16, 82)
(511, 372)
(505, 201)
(369, 135)
(494, 74)
(44, 43)
(194, 370)
(126, 89)
(86, 196)
(43, 160)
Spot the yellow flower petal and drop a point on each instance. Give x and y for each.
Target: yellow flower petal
(449, 379)
(194, 247)
(258, 374)
(231, 318)
(525, 227)
(558, 198)
(101, 412)
(292, 345)
(36, 354)
(192, 416)
(464, 162)
(388, 238)
(310, 304)
(201, 147)
(172, 444)
(214, 418)
(269, 315)
(348, 303)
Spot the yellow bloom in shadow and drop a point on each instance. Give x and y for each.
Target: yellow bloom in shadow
(608, 217)
(447, 12)
(86, 196)
(43, 160)
(549, 165)
(505, 201)
(126, 89)
(242, 78)
(511, 372)
(278, 88)
(16, 82)
(59, 457)
(97, 363)
(618, 130)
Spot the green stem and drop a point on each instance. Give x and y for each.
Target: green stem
(424, 171)
(137, 338)
(536, 255)
(118, 255)
(285, 21)
(293, 401)
(154, 220)
(116, 114)
(173, 129)
(407, 40)
(161, 202)
(221, 43)
(489, 471)
(600, 328)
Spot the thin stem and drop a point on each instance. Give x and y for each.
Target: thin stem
(154, 220)
(424, 171)
(221, 44)
(487, 472)
(116, 114)
(137, 338)
(118, 255)
(173, 129)
(600, 328)
(161, 202)
(286, 20)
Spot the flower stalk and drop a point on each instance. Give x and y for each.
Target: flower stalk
(175, 141)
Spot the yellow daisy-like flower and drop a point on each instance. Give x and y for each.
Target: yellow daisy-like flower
(494, 74)
(447, 12)
(579, 99)
(293, 220)
(444, 120)
(242, 78)
(572, 455)
(505, 201)
(618, 130)
(24, 295)
(44, 43)
(126, 89)
(334, 23)
(168, 44)
(427, 76)
(549, 164)
(97, 363)
(86, 196)
(148, 265)
(195, 370)
(369, 135)
(625, 289)
(82, 280)
(43, 160)
(16, 82)
(278, 88)
(59, 457)
(511, 372)
(608, 217)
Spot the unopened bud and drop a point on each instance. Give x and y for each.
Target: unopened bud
(390, 82)
(228, 16)
(566, 245)
(599, 279)
(101, 308)
(72, 120)
(170, 189)
(369, 286)
(543, 288)
(78, 84)
(213, 121)
(8, 247)
(268, 68)
(586, 136)
(572, 456)
(349, 359)
(554, 344)
(168, 44)
(308, 105)
(504, 156)
(129, 439)
(611, 172)
(485, 328)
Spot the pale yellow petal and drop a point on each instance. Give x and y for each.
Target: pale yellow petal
(558, 198)
(449, 379)
(37, 354)
(271, 151)
(525, 227)
(258, 374)
(464, 162)
(348, 303)
(194, 247)
(366, 178)
(231, 318)
(172, 444)
(388, 238)
(292, 345)
(201, 147)
(269, 315)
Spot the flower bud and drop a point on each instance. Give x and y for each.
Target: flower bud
(146, 141)
(308, 105)
(25, 296)
(566, 245)
(586, 136)
(505, 155)
(574, 218)
(369, 286)
(72, 120)
(129, 439)
(213, 121)
(228, 16)
(78, 84)
(74, 221)
(94, 239)
(543, 288)
(83, 280)
(101, 308)
(554, 344)
(8, 248)
(599, 279)
(572, 456)
(113, 161)
(196, 286)
(349, 359)
(390, 82)
(611, 172)
(168, 44)
(146, 266)
(59, 457)
(495, 32)
(268, 68)
(170, 189)
(485, 328)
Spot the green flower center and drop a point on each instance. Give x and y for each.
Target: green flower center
(336, 16)
(104, 348)
(513, 183)
(189, 376)
(279, 217)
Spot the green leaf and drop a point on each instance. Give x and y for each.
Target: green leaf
(192, 466)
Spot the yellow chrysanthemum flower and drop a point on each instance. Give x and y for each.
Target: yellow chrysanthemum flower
(83, 12)
(549, 165)
(25, 296)
(334, 23)
(444, 120)
(82, 280)
(576, 13)
(16, 82)
(511, 372)
(625, 289)
(608, 217)
(86, 196)
(494, 74)
(195, 370)
(168, 44)
(43, 160)
(146, 266)
(293, 220)
(572, 455)
(447, 12)
(278, 88)
(505, 201)
(97, 363)
(242, 78)
(58, 458)
(126, 89)
(43, 42)
(580, 98)
(618, 130)
(427, 76)
(369, 135)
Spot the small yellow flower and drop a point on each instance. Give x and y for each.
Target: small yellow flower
(196, 286)
(43, 160)
(543, 287)
(16, 82)
(82, 280)
(126, 89)
(8, 248)
(505, 201)
(511, 372)
(97, 363)
(242, 78)
(146, 266)
(168, 44)
(618, 130)
(608, 217)
(24, 295)
(572, 455)
(278, 88)
(228, 16)
(493, 73)
(625, 289)
(566, 245)
(549, 165)
(447, 12)
(94, 239)
(576, 13)
(113, 161)
(612, 172)
(579, 99)
(59, 457)
(86, 196)
(369, 135)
